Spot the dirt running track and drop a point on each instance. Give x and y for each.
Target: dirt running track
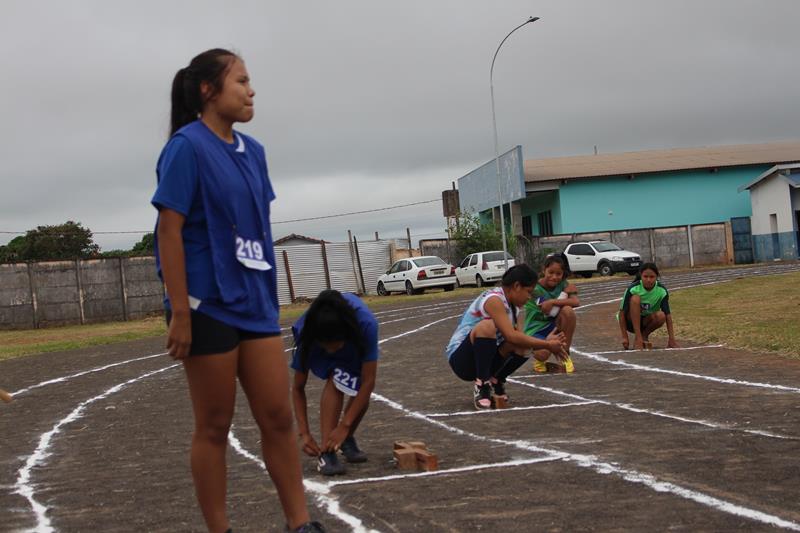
(693, 439)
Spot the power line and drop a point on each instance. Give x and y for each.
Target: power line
(357, 212)
(275, 222)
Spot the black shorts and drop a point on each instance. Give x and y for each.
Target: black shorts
(462, 361)
(210, 336)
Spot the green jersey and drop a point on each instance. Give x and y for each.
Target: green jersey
(651, 301)
(535, 319)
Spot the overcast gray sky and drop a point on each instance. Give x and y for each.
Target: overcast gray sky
(364, 104)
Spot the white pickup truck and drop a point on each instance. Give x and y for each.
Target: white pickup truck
(606, 258)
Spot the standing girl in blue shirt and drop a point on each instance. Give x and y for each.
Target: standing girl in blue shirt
(337, 340)
(214, 254)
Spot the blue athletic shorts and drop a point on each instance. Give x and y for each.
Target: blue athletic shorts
(545, 331)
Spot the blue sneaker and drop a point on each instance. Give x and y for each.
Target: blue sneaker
(328, 465)
(352, 452)
(308, 527)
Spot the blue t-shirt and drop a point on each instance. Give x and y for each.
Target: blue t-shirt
(348, 359)
(179, 189)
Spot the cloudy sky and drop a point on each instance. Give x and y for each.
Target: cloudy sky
(365, 104)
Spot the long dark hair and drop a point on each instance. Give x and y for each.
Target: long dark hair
(187, 101)
(647, 266)
(329, 318)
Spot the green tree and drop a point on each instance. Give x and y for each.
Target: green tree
(64, 241)
(472, 236)
(146, 246)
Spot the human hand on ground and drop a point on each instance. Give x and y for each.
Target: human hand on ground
(638, 343)
(672, 343)
(626, 343)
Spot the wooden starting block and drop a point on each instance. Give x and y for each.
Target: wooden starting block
(500, 402)
(414, 455)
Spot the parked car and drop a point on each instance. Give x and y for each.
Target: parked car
(604, 257)
(482, 267)
(416, 274)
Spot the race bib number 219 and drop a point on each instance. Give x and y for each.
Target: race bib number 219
(250, 253)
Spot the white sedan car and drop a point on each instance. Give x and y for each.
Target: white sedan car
(415, 274)
(482, 268)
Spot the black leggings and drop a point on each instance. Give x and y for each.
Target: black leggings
(481, 360)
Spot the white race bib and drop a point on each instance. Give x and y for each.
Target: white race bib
(250, 253)
(345, 382)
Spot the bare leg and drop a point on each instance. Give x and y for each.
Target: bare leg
(635, 311)
(565, 322)
(330, 409)
(358, 419)
(212, 386)
(652, 323)
(264, 376)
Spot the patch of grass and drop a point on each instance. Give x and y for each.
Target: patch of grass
(18, 343)
(26, 342)
(757, 313)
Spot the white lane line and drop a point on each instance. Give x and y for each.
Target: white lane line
(645, 368)
(487, 466)
(79, 374)
(321, 491)
(662, 349)
(639, 410)
(593, 463)
(23, 486)
(496, 411)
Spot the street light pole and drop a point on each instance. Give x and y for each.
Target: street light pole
(496, 145)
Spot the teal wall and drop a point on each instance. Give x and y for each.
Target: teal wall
(540, 202)
(653, 200)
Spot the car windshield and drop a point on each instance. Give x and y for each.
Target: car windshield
(427, 261)
(606, 246)
(495, 256)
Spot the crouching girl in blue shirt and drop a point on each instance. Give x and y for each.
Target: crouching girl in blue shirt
(337, 340)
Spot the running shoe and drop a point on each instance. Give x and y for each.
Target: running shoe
(329, 465)
(540, 367)
(352, 452)
(308, 527)
(483, 395)
(568, 365)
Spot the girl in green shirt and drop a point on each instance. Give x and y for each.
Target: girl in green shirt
(644, 309)
(551, 309)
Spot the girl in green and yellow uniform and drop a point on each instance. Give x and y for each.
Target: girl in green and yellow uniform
(644, 309)
(551, 309)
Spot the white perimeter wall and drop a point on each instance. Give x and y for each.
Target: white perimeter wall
(770, 196)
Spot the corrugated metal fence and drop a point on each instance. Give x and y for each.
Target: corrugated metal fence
(306, 269)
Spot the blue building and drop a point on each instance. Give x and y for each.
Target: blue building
(611, 192)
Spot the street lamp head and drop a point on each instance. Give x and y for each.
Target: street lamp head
(532, 19)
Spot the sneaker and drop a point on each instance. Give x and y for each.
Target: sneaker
(568, 365)
(483, 395)
(540, 367)
(308, 527)
(352, 452)
(329, 465)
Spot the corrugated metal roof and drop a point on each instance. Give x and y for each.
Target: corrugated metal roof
(770, 172)
(589, 166)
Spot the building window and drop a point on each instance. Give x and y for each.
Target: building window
(527, 227)
(545, 223)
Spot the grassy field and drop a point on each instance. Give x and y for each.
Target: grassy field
(27, 342)
(30, 341)
(759, 314)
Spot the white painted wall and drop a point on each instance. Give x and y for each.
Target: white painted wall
(772, 195)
